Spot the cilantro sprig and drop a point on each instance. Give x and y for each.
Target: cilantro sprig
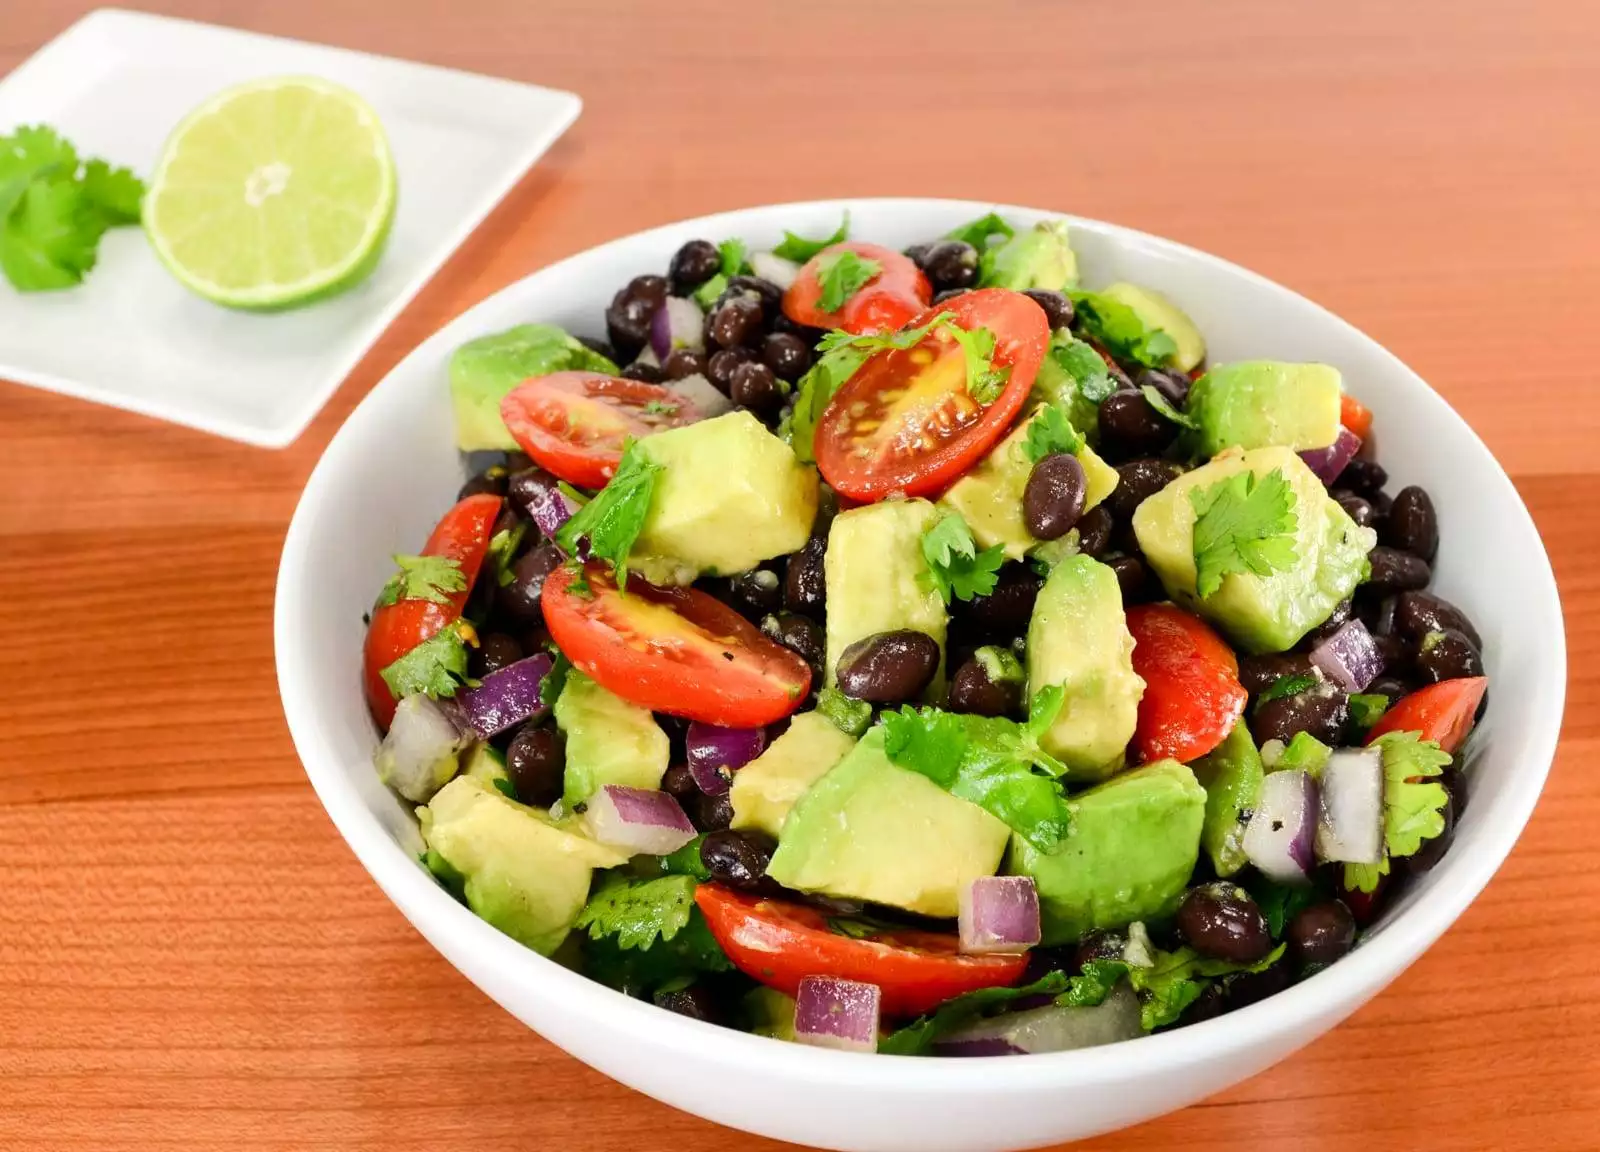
(1051, 433)
(638, 912)
(1154, 397)
(436, 667)
(1243, 524)
(1413, 802)
(842, 274)
(955, 566)
(431, 578)
(1117, 328)
(607, 526)
(799, 249)
(1084, 365)
(1165, 987)
(979, 232)
(734, 254)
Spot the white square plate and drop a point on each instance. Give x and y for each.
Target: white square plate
(115, 84)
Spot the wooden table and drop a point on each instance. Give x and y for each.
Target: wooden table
(191, 958)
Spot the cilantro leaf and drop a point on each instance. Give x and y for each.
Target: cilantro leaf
(1090, 987)
(842, 275)
(979, 232)
(505, 787)
(734, 255)
(706, 295)
(849, 715)
(1176, 979)
(1153, 396)
(638, 912)
(1049, 433)
(555, 680)
(610, 523)
(816, 388)
(1242, 524)
(29, 154)
(917, 1038)
(1413, 802)
(1117, 328)
(1286, 686)
(955, 566)
(640, 971)
(436, 667)
(985, 382)
(431, 578)
(686, 861)
(1086, 366)
(799, 249)
(1366, 710)
(116, 193)
(1281, 903)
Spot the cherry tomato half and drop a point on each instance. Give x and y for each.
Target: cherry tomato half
(673, 650)
(780, 943)
(574, 423)
(1442, 712)
(884, 303)
(395, 629)
(905, 422)
(1355, 415)
(1192, 695)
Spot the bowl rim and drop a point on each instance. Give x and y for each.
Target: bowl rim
(1287, 1019)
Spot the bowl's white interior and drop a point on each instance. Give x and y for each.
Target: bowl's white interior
(392, 469)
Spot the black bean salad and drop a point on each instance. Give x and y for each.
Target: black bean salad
(920, 652)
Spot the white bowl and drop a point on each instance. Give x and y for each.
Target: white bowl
(392, 469)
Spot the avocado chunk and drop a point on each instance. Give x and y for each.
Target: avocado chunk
(871, 830)
(1078, 638)
(482, 371)
(1259, 613)
(1130, 850)
(1265, 404)
(609, 741)
(878, 581)
(1231, 776)
(519, 870)
(766, 788)
(729, 495)
(989, 497)
(1074, 378)
(1156, 311)
(1040, 257)
(486, 763)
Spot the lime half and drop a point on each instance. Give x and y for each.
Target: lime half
(273, 194)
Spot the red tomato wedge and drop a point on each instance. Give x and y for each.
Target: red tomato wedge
(884, 303)
(673, 650)
(780, 943)
(905, 422)
(1442, 712)
(574, 424)
(1192, 695)
(395, 629)
(1355, 415)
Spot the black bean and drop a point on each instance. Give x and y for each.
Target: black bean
(736, 323)
(681, 362)
(1432, 851)
(639, 370)
(1094, 530)
(1173, 385)
(951, 264)
(527, 487)
(599, 347)
(800, 634)
(1381, 503)
(888, 667)
(1447, 655)
(494, 651)
(737, 859)
(520, 599)
(1412, 525)
(1455, 783)
(972, 690)
(1392, 651)
(1337, 619)
(787, 355)
(753, 386)
(1098, 945)
(948, 294)
(1322, 711)
(713, 813)
(1138, 587)
(1321, 934)
(756, 593)
(1418, 613)
(1137, 481)
(534, 639)
(721, 366)
(1057, 308)
(805, 587)
(1391, 687)
(628, 317)
(1053, 498)
(1258, 673)
(918, 254)
(490, 482)
(536, 761)
(1247, 988)
(1221, 921)
(1362, 476)
(695, 1002)
(1211, 1003)
(1357, 508)
(679, 781)
(1008, 608)
(1129, 426)
(692, 265)
(770, 295)
(1396, 571)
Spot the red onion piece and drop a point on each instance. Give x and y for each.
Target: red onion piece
(707, 398)
(1350, 807)
(418, 755)
(999, 914)
(1328, 462)
(1051, 1029)
(1349, 657)
(639, 820)
(833, 1013)
(678, 323)
(771, 266)
(716, 753)
(507, 697)
(547, 504)
(1278, 838)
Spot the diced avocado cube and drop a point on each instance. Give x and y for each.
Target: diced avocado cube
(871, 830)
(730, 495)
(1128, 854)
(1074, 378)
(486, 763)
(1265, 404)
(770, 1013)
(517, 869)
(482, 371)
(878, 581)
(1156, 311)
(765, 789)
(1078, 638)
(609, 741)
(1259, 613)
(989, 497)
(1231, 776)
(1039, 257)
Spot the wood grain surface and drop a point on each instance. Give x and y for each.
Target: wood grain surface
(190, 957)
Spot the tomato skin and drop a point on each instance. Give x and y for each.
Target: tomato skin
(463, 535)
(1355, 415)
(1192, 696)
(882, 304)
(779, 943)
(913, 447)
(703, 662)
(574, 424)
(1442, 712)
